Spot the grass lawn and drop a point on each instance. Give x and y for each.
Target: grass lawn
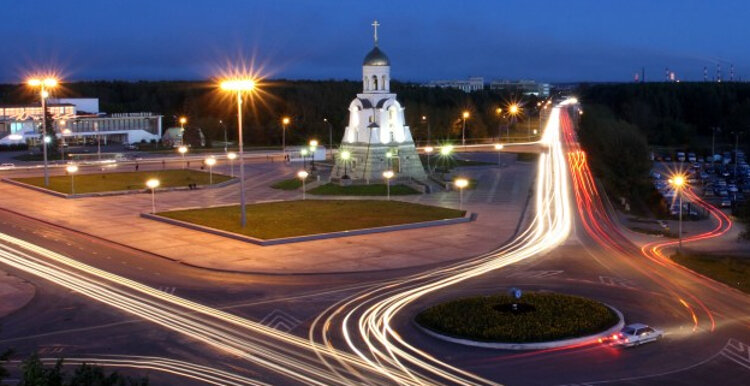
(290, 184)
(730, 270)
(297, 218)
(361, 190)
(107, 182)
(544, 317)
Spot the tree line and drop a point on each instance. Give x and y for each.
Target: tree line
(306, 102)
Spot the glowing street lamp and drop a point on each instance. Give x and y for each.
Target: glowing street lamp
(44, 85)
(499, 113)
(428, 150)
(240, 86)
(345, 156)
(231, 156)
(499, 147)
(183, 121)
(72, 169)
(182, 150)
(678, 182)
(446, 150)
(465, 116)
(388, 174)
(302, 174)
(425, 120)
(304, 153)
(152, 184)
(513, 111)
(210, 161)
(461, 183)
(313, 148)
(284, 123)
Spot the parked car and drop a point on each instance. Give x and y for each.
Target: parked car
(726, 203)
(691, 157)
(681, 156)
(7, 165)
(633, 335)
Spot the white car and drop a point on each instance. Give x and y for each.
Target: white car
(634, 335)
(7, 165)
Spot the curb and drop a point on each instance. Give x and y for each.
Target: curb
(114, 192)
(313, 237)
(530, 346)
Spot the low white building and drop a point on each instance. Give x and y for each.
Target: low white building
(524, 86)
(77, 120)
(474, 83)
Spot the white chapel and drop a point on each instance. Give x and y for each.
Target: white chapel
(377, 129)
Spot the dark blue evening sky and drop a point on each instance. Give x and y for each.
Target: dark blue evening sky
(576, 40)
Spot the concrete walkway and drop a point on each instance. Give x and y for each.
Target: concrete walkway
(499, 201)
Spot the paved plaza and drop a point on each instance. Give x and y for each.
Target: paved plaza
(499, 200)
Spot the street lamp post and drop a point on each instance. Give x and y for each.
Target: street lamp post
(183, 121)
(465, 116)
(313, 148)
(461, 183)
(43, 85)
(428, 150)
(499, 113)
(513, 110)
(330, 137)
(210, 162)
(182, 150)
(231, 156)
(72, 169)
(388, 174)
(499, 148)
(427, 121)
(240, 86)
(226, 141)
(153, 184)
(345, 155)
(303, 153)
(284, 122)
(302, 174)
(678, 183)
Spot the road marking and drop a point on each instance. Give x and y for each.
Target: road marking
(535, 274)
(54, 349)
(169, 290)
(280, 320)
(737, 352)
(617, 282)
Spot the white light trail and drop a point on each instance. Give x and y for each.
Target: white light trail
(371, 312)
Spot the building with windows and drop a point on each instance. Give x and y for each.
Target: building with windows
(523, 86)
(474, 83)
(78, 121)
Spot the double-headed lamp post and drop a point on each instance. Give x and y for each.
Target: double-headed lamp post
(231, 156)
(461, 183)
(388, 174)
(210, 162)
(302, 174)
(240, 86)
(678, 183)
(182, 150)
(152, 184)
(465, 116)
(44, 85)
(72, 169)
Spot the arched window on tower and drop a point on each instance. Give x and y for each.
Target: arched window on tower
(383, 83)
(367, 84)
(374, 82)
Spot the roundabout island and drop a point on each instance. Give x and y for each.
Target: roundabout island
(538, 320)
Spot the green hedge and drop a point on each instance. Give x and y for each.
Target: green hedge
(556, 317)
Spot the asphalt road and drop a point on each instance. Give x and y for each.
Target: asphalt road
(706, 323)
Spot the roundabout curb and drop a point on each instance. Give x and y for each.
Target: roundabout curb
(530, 346)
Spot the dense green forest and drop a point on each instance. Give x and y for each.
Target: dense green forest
(306, 102)
(624, 123)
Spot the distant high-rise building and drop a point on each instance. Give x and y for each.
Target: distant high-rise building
(524, 86)
(474, 83)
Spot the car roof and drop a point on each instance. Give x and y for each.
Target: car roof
(636, 325)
